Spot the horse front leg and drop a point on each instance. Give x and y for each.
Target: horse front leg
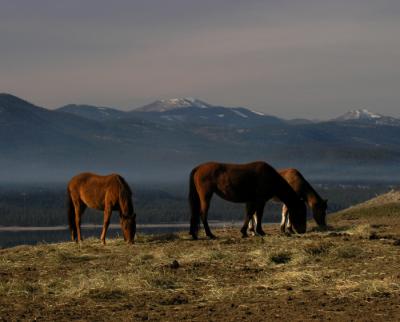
(259, 215)
(250, 209)
(106, 223)
(285, 219)
(289, 225)
(252, 225)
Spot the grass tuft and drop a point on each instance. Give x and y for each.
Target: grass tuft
(164, 237)
(348, 251)
(281, 257)
(106, 294)
(317, 249)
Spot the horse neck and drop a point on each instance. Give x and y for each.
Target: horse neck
(124, 196)
(311, 196)
(286, 194)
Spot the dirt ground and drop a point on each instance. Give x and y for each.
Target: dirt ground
(347, 273)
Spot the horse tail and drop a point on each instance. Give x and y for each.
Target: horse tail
(194, 201)
(71, 216)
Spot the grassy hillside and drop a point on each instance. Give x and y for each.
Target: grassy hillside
(349, 272)
(381, 215)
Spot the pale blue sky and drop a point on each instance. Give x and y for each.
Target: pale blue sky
(299, 58)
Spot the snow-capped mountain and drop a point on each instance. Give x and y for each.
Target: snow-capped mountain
(359, 114)
(366, 116)
(165, 105)
(195, 111)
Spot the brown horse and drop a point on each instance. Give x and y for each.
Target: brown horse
(252, 183)
(305, 191)
(106, 193)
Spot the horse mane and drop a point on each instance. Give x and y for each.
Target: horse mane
(285, 192)
(309, 188)
(125, 194)
(124, 185)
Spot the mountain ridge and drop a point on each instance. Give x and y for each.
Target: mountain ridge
(35, 140)
(97, 113)
(175, 106)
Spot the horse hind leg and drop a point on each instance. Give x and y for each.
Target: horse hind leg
(79, 209)
(194, 220)
(71, 218)
(106, 223)
(204, 206)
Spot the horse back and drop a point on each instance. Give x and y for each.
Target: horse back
(236, 182)
(96, 190)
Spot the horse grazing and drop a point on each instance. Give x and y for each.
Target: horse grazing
(106, 193)
(252, 183)
(305, 191)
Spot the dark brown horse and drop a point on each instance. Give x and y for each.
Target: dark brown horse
(306, 192)
(106, 193)
(252, 183)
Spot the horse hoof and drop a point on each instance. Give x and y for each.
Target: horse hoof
(212, 236)
(245, 236)
(194, 237)
(261, 233)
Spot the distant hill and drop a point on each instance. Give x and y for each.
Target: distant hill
(380, 215)
(93, 112)
(23, 124)
(391, 197)
(165, 139)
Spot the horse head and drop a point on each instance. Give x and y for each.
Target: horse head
(127, 213)
(319, 212)
(127, 216)
(128, 225)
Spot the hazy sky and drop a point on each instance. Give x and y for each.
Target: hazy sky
(299, 58)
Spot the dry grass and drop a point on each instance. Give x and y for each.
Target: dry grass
(170, 277)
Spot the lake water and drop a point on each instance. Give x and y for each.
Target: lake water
(13, 236)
